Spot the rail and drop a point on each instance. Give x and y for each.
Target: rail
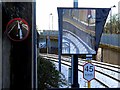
(101, 68)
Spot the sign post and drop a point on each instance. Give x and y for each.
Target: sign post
(74, 62)
(74, 65)
(89, 84)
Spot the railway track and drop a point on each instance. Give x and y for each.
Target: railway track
(100, 69)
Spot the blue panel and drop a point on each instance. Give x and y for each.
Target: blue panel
(101, 16)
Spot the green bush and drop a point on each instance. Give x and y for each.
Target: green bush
(48, 76)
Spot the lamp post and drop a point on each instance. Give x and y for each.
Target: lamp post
(48, 38)
(111, 18)
(50, 20)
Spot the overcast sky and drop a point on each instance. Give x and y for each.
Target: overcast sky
(45, 7)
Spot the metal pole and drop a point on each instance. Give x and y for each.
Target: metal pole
(60, 38)
(75, 71)
(34, 43)
(49, 21)
(59, 56)
(52, 21)
(35, 47)
(74, 62)
(1, 79)
(89, 58)
(89, 84)
(47, 43)
(75, 3)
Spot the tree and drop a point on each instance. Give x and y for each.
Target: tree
(114, 22)
(48, 76)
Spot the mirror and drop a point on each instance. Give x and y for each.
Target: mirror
(78, 31)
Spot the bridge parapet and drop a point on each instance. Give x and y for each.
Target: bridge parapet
(111, 39)
(49, 32)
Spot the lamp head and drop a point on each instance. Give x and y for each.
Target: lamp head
(114, 6)
(50, 13)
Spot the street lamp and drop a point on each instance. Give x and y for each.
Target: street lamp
(111, 18)
(49, 20)
(48, 39)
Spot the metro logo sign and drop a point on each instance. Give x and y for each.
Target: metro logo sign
(17, 29)
(88, 71)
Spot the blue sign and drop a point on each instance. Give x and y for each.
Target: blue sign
(88, 71)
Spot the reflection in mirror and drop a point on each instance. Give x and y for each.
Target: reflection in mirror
(78, 32)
